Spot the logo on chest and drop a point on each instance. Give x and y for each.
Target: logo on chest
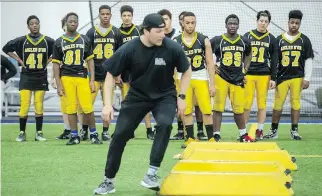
(160, 62)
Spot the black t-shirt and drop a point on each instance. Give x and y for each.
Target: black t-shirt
(264, 55)
(231, 55)
(292, 56)
(7, 65)
(151, 68)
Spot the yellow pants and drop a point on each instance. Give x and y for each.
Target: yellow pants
(125, 89)
(295, 88)
(77, 91)
(194, 99)
(25, 99)
(260, 84)
(236, 94)
(200, 90)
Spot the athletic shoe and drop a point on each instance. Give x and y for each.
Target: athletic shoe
(73, 140)
(295, 135)
(189, 140)
(217, 137)
(151, 182)
(201, 136)
(245, 138)
(21, 137)
(105, 187)
(178, 136)
(95, 139)
(105, 136)
(65, 135)
(83, 134)
(272, 134)
(150, 134)
(259, 134)
(40, 136)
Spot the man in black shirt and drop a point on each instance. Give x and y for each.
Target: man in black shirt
(6, 65)
(151, 60)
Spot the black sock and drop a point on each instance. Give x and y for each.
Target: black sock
(189, 130)
(274, 126)
(294, 127)
(105, 129)
(39, 121)
(180, 125)
(210, 132)
(149, 130)
(23, 122)
(200, 126)
(85, 127)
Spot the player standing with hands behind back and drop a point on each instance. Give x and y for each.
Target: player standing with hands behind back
(261, 74)
(294, 73)
(151, 58)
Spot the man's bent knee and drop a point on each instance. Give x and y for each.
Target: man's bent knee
(295, 104)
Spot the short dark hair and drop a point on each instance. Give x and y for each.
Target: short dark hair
(126, 8)
(297, 14)
(102, 7)
(231, 16)
(188, 14)
(32, 17)
(70, 14)
(181, 14)
(165, 12)
(264, 13)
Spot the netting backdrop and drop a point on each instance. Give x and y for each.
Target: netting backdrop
(211, 21)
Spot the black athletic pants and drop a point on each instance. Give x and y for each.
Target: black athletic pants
(132, 112)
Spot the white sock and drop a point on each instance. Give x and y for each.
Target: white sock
(217, 132)
(260, 126)
(67, 127)
(109, 179)
(153, 170)
(246, 125)
(242, 132)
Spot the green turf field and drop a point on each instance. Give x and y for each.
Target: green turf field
(51, 168)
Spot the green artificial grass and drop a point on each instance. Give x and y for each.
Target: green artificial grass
(51, 168)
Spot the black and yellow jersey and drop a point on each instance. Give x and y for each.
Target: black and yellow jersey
(127, 34)
(264, 54)
(195, 51)
(231, 55)
(292, 56)
(104, 45)
(72, 53)
(35, 52)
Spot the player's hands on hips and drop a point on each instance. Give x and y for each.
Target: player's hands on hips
(107, 113)
(92, 86)
(305, 84)
(118, 81)
(60, 91)
(272, 84)
(245, 80)
(21, 63)
(181, 105)
(212, 90)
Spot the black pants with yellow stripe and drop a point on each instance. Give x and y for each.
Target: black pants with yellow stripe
(132, 112)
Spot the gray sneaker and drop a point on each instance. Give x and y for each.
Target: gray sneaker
(40, 136)
(105, 187)
(151, 182)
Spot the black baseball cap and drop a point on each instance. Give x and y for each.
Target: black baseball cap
(153, 21)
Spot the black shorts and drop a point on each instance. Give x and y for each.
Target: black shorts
(33, 83)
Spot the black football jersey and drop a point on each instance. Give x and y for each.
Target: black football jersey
(127, 34)
(264, 53)
(292, 56)
(72, 54)
(104, 45)
(35, 53)
(231, 55)
(195, 51)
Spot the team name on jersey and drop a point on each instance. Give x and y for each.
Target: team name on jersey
(233, 48)
(290, 47)
(126, 39)
(72, 46)
(194, 51)
(104, 40)
(35, 50)
(259, 43)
